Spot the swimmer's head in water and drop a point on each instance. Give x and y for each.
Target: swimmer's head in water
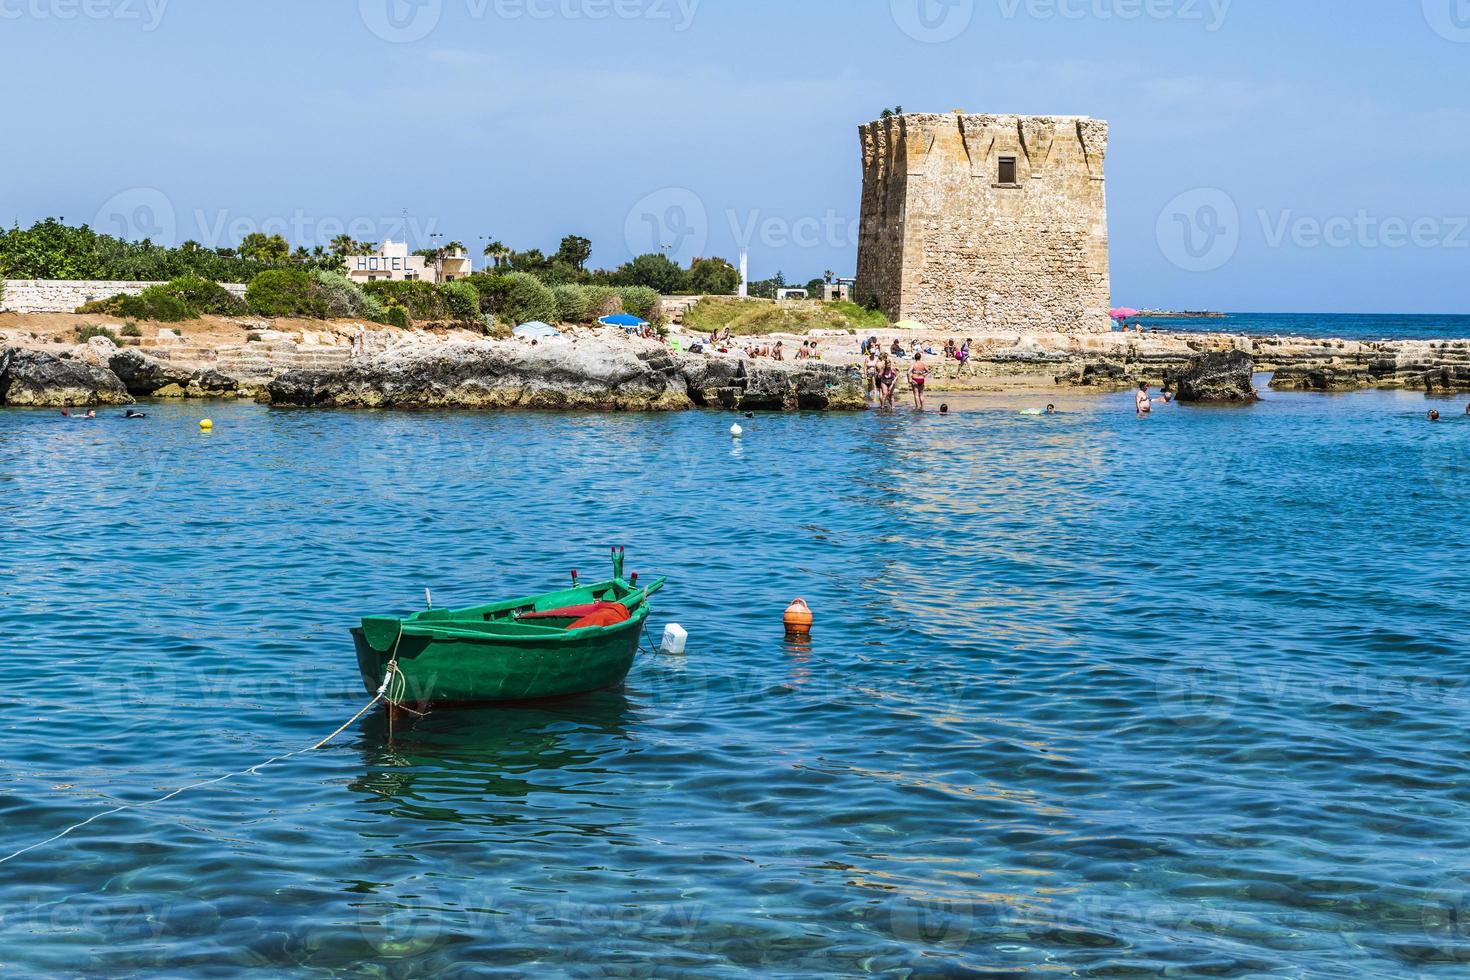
(1051, 410)
(1434, 416)
(943, 409)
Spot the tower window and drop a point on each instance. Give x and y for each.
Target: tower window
(1007, 170)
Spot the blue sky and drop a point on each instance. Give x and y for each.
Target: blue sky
(1277, 156)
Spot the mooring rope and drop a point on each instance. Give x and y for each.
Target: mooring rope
(390, 672)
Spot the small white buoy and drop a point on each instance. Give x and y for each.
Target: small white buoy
(736, 431)
(675, 640)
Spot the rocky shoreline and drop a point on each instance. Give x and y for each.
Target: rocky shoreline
(349, 366)
(598, 373)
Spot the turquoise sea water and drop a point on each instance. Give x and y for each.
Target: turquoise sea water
(1347, 326)
(1088, 695)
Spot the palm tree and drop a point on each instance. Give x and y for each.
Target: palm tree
(497, 251)
(343, 246)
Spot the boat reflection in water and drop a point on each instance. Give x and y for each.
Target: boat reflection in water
(462, 765)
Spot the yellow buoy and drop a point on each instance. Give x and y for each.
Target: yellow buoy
(205, 425)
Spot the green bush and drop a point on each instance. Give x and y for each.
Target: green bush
(153, 303)
(640, 301)
(285, 292)
(344, 299)
(603, 300)
(421, 299)
(91, 330)
(527, 299)
(492, 288)
(131, 329)
(202, 296)
(572, 304)
(396, 316)
(462, 300)
(184, 298)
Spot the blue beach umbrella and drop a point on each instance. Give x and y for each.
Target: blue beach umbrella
(625, 320)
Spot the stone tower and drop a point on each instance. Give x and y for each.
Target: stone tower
(980, 221)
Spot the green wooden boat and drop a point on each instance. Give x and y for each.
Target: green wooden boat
(521, 650)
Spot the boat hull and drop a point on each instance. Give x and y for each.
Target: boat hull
(451, 669)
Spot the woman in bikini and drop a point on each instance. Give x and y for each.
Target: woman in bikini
(918, 377)
(887, 380)
(870, 371)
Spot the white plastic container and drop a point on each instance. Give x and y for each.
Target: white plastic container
(675, 640)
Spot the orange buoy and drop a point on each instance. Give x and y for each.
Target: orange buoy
(798, 619)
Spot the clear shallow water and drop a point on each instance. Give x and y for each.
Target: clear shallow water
(1346, 326)
(1088, 695)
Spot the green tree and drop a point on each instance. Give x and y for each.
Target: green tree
(654, 270)
(531, 260)
(574, 251)
(713, 277)
(343, 246)
(265, 248)
(496, 252)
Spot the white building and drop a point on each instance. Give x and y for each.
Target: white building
(392, 263)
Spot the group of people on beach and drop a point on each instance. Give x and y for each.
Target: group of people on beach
(881, 377)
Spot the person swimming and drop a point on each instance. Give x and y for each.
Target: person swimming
(1434, 415)
(1051, 410)
(135, 415)
(944, 409)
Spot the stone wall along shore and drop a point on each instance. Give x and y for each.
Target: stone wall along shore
(66, 295)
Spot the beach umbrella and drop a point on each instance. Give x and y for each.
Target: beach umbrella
(910, 325)
(1124, 313)
(536, 330)
(625, 320)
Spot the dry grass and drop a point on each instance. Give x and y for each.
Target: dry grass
(756, 317)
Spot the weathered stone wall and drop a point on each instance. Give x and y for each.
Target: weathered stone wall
(65, 295)
(945, 242)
